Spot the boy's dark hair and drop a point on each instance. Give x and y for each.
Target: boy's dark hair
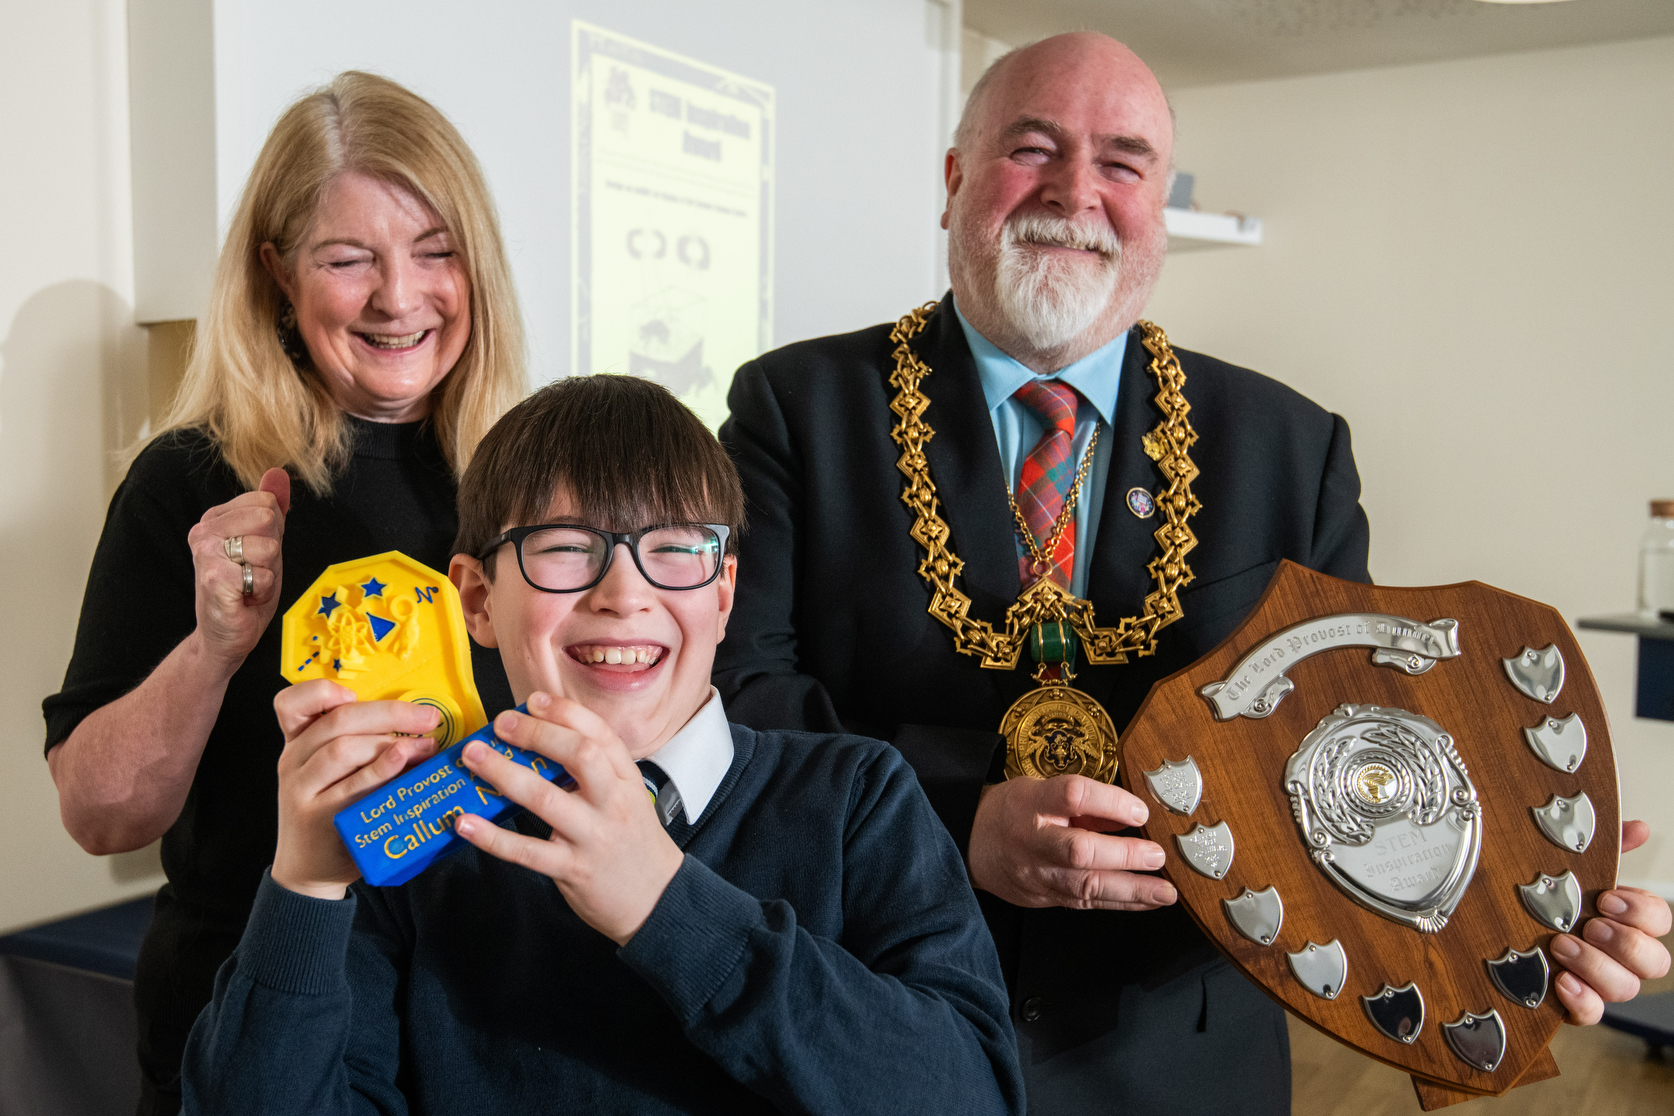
(628, 453)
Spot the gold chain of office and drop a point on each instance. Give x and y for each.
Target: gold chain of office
(1046, 602)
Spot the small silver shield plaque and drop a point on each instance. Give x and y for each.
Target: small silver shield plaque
(1322, 969)
(1554, 901)
(1479, 1040)
(1177, 784)
(1257, 914)
(1388, 812)
(1561, 745)
(1397, 1012)
(1521, 976)
(1208, 848)
(1539, 674)
(1567, 822)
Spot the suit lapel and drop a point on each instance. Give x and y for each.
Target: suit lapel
(1118, 580)
(965, 465)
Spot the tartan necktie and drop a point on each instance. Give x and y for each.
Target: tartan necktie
(1047, 474)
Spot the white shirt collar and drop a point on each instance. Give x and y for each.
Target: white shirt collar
(697, 757)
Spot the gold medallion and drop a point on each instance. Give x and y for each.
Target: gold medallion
(1058, 730)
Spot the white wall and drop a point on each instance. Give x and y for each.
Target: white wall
(1471, 262)
(977, 52)
(72, 384)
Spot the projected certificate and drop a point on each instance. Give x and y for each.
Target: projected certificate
(672, 240)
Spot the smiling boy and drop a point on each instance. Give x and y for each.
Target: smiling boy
(787, 927)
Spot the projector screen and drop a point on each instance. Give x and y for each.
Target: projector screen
(672, 234)
(681, 186)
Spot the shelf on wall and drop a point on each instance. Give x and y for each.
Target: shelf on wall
(1190, 230)
(1633, 623)
(1654, 686)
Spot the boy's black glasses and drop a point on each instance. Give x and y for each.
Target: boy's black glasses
(568, 558)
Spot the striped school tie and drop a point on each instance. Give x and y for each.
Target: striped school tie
(665, 796)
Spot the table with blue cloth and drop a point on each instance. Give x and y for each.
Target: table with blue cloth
(67, 1014)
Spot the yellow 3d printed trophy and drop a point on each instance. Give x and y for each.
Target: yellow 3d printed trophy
(392, 629)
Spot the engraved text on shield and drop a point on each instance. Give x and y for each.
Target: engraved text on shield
(1208, 848)
(1178, 784)
(1388, 812)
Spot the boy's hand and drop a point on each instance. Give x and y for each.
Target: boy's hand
(337, 749)
(608, 852)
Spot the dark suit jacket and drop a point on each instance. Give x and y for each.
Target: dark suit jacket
(830, 630)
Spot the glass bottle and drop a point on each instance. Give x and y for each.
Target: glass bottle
(1656, 562)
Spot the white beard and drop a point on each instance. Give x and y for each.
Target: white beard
(1050, 299)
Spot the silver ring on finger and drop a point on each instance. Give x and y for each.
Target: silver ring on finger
(249, 579)
(234, 546)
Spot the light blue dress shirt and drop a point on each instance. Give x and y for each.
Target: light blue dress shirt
(1096, 376)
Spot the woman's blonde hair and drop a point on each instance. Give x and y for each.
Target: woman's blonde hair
(241, 389)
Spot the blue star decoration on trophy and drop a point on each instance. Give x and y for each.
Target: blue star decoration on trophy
(328, 605)
(373, 588)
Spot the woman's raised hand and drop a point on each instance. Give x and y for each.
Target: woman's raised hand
(250, 527)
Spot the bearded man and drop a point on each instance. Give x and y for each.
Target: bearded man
(1035, 378)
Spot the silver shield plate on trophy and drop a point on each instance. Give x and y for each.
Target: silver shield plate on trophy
(1553, 900)
(1388, 812)
(1538, 674)
(1257, 914)
(1567, 822)
(1561, 745)
(1177, 784)
(1478, 1039)
(1397, 1012)
(1521, 976)
(1322, 969)
(1208, 848)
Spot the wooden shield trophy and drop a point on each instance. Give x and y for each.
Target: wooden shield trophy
(1381, 804)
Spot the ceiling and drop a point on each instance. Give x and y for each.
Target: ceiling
(1204, 42)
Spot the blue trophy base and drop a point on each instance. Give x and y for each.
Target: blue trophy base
(406, 825)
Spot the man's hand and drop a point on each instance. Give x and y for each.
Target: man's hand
(608, 853)
(1040, 843)
(337, 749)
(1617, 949)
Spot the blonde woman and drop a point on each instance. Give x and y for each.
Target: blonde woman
(362, 336)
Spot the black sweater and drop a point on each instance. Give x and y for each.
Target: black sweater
(397, 493)
(819, 950)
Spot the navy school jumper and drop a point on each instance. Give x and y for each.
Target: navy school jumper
(818, 951)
